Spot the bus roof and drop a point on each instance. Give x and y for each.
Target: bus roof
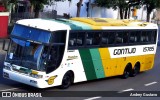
(99, 23)
(78, 23)
(43, 24)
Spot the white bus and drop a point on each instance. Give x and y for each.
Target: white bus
(57, 52)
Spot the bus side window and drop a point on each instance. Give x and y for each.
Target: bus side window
(80, 39)
(104, 39)
(125, 37)
(97, 38)
(149, 34)
(119, 37)
(133, 38)
(53, 59)
(89, 38)
(137, 36)
(144, 36)
(111, 37)
(153, 36)
(72, 39)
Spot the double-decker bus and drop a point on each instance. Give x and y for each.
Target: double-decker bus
(57, 52)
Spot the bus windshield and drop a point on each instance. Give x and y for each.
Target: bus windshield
(26, 46)
(36, 49)
(25, 54)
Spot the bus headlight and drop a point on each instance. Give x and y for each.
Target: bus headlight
(36, 76)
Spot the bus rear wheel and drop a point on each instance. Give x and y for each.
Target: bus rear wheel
(67, 81)
(126, 72)
(135, 70)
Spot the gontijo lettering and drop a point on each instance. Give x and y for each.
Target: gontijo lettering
(124, 51)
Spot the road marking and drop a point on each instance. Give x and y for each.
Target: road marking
(126, 90)
(9, 89)
(93, 98)
(150, 83)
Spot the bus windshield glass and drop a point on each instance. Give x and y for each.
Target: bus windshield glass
(26, 54)
(31, 33)
(26, 46)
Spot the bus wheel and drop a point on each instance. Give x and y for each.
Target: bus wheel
(135, 70)
(126, 72)
(67, 81)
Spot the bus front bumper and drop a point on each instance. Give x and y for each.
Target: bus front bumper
(22, 78)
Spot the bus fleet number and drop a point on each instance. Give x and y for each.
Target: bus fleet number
(147, 49)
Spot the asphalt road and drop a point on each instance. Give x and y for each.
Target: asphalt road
(146, 81)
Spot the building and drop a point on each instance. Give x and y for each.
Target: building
(158, 15)
(70, 8)
(2, 8)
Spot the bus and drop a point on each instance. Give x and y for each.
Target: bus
(58, 52)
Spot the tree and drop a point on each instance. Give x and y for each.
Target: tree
(122, 5)
(5, 3)
(115, 4)
(38, 5)
(150, 5)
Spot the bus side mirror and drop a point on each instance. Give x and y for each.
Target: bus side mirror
(6, 43)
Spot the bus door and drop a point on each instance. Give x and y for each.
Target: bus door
(53, 54)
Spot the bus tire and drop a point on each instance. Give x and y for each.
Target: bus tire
(67, 80)
(135, 70)
(127, 71)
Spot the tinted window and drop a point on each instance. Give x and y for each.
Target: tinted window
(111, 37)
(108, 38)
(104, 38)
(80, 38)
(89, 38)
(59, 37)
(153, 36)
(137, 35)
(145, 36)
(31, 33)
(97, 38)
(121, 37)
(72, 39)
(76, 39)
(133, 37)
(93, 38)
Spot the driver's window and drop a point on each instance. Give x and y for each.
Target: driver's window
(50, 58)
(43, 61)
